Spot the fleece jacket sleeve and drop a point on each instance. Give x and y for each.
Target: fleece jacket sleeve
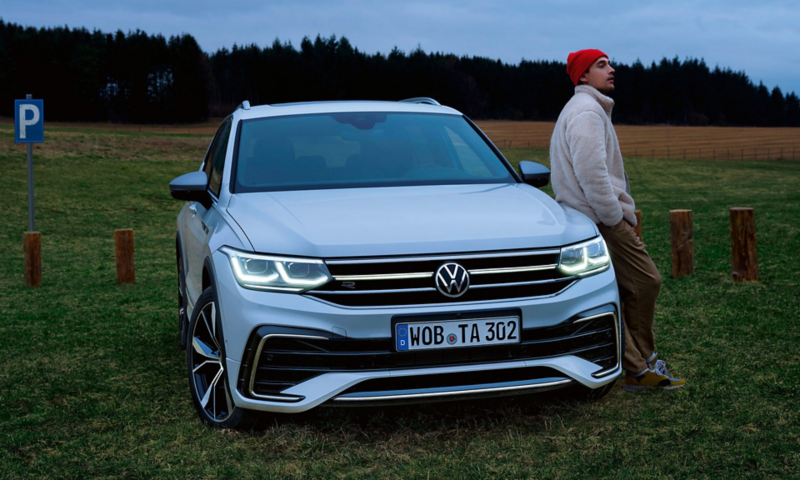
(586, 138)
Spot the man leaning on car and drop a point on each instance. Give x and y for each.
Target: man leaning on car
(588, 175)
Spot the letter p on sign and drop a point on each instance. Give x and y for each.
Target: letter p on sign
(28, 121)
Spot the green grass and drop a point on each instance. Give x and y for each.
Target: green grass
(92, 383)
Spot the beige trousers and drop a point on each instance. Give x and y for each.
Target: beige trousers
(639, 283)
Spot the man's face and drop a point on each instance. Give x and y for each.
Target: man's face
(600, 76)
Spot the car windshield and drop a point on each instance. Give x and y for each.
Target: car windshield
(349, 150)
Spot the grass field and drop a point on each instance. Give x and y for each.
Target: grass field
(93, 384)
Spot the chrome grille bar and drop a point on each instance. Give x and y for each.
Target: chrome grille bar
(441, 257)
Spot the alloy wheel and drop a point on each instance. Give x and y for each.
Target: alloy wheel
(208, 371)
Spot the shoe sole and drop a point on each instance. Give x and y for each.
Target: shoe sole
(639, 388)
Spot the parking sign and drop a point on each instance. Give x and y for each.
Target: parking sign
(28, 121)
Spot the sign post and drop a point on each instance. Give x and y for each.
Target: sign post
(29, 128)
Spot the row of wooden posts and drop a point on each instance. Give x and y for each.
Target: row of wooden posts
(123, 251)
(744, 263)
(743, 248)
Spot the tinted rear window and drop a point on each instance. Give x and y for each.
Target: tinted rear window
(349, 150)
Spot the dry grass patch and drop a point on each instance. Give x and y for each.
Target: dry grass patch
(662, 141)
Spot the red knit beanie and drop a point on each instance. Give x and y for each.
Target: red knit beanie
(580, 61)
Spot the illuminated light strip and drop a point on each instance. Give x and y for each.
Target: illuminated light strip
(514, 284)
(387, 276)
(442, 257)
(487, 271)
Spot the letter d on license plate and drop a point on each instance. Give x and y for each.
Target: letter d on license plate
(456, 333)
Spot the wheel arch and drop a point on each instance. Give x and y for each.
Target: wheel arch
(210, 280)
(179, 249)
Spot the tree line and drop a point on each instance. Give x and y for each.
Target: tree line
(137, 77)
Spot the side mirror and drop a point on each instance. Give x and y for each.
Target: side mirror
(534, 174)
(191, 187)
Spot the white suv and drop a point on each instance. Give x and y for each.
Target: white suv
(358, 253)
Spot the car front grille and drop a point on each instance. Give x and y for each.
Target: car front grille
(400, 281)
(276, 362)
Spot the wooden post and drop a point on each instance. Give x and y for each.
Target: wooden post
(680, 226)
(638, 228)
(32, 244)
(126, 270)
(743, 245)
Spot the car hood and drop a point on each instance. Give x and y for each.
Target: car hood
(406, 220)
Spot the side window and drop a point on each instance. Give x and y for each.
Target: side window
(220, 148)
(208, 161)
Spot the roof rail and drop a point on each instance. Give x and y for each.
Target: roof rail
(244, 105)
(426, 100)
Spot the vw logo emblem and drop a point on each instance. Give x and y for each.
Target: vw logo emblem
(452, 280)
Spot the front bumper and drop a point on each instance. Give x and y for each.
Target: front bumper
(244, 311)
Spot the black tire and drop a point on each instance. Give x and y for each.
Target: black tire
(183, 306)
(207, 372)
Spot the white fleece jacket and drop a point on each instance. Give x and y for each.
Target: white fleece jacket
(585, 160)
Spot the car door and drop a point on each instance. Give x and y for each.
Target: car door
(195, 231)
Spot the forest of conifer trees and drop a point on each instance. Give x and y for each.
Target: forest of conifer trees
(143, 78)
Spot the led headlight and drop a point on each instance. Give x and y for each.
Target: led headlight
(585, 258)
(279, 274)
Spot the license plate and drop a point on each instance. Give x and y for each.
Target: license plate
(456, 333)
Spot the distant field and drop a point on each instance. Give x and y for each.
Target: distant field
(93, 384)
(655, 141)
(662, 141)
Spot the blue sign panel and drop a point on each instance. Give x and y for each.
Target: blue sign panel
(29, 121)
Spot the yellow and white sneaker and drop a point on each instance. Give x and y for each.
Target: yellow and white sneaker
(652, 379)
(658, 366)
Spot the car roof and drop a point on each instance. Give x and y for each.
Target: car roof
(305, 108)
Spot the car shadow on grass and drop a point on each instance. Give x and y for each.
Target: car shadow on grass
(371, 424)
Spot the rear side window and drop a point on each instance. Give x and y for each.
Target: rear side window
(218, 158)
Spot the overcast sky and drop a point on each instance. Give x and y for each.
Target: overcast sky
(761, 38)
